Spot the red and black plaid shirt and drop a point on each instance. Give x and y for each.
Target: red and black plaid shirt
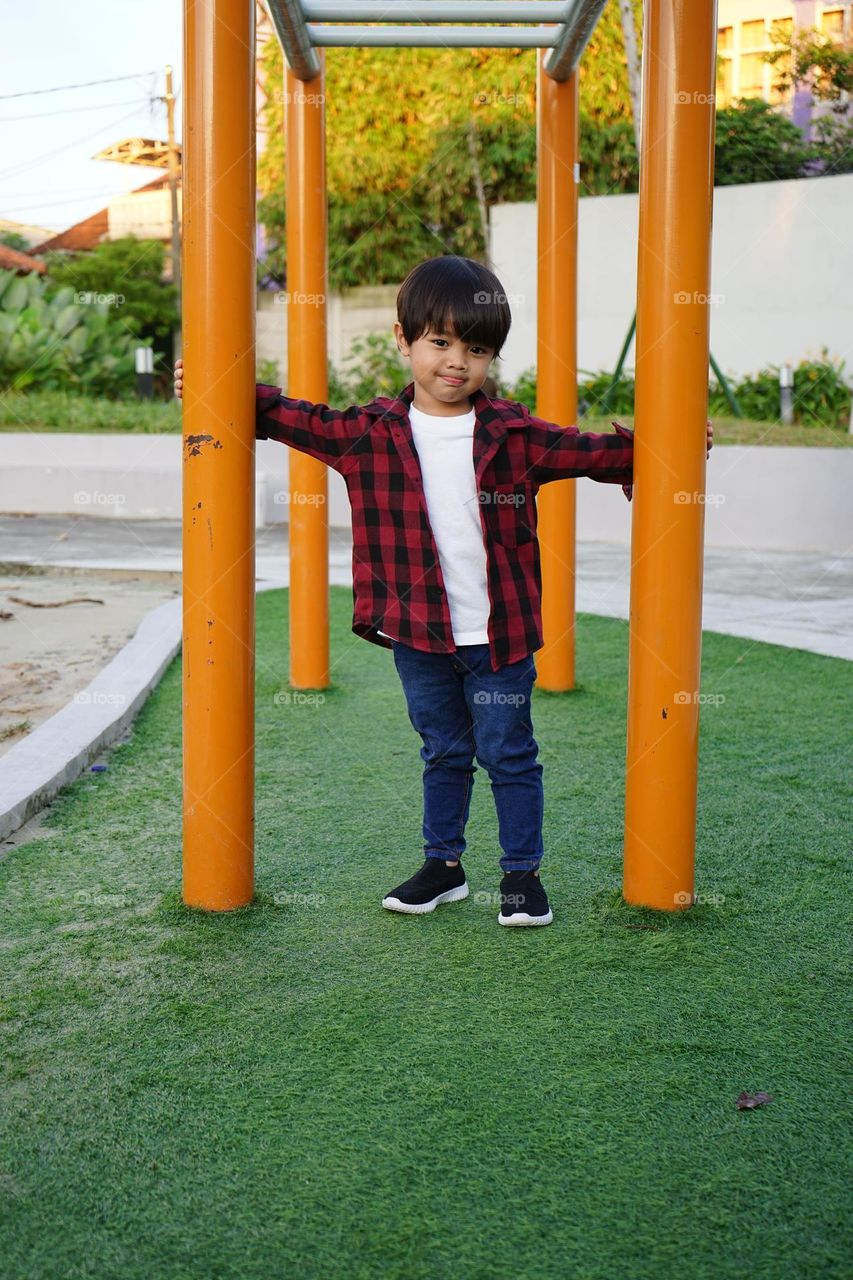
(398, 586)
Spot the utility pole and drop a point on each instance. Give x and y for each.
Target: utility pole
(632, 57)
(174, 176)
(480, 189)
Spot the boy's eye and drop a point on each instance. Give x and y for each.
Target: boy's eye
(475, 350)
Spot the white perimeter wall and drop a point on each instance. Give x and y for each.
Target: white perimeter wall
(772, 498)
(781, 265)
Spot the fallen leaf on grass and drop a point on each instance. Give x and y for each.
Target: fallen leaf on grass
(749, 1101)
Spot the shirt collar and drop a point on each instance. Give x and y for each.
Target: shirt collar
(488, 412)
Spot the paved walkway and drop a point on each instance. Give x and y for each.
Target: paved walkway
(802, 601)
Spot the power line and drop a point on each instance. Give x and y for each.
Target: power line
(18, 169)
(47, 204)
(60, 88)
(96, 106)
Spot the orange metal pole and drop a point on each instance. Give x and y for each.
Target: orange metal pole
(674, 262)
(556, 361)
(307, 372)
(219, 453)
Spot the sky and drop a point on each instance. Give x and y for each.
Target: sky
(47, 176)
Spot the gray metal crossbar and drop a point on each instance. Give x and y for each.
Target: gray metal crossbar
(332, 37)
(436, 11)
(303, 26)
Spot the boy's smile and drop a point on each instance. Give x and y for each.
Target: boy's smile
(446, 370)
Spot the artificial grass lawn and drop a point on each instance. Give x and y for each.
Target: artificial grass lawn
(315, 1088)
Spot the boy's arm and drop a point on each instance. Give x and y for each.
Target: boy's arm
(560, 453)
(326, 434)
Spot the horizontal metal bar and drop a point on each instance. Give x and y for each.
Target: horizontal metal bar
(294, 39)
(436, 11)
(330, 37)
(574, 37)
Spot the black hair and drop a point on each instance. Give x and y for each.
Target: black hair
(454, 295)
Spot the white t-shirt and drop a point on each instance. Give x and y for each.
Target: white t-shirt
(445, 448)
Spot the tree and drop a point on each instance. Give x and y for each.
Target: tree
(402, 174)
(756, 143)
(812, 60)
(809, 58)
(129, 273)
(14, 240)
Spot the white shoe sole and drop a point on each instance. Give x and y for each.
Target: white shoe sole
(522, 918)
(421, 908)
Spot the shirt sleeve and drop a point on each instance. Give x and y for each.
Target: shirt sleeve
(326, 434)
(561, 453)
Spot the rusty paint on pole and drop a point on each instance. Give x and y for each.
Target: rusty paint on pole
(219, 454)
(673, 282)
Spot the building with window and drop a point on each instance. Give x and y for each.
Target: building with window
(747, 29)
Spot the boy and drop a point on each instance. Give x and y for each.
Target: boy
(442, 482)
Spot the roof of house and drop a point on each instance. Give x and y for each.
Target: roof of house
(14, 260)
(92, 230)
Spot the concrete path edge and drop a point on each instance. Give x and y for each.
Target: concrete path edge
(58, 751)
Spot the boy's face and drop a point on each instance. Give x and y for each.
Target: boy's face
(446, 370)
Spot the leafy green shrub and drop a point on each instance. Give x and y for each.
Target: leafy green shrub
(756, 143)
(523, 389)
(52, 342)
(832, 144)
(128, 268)
(36, 410)
(591, 391)
(372, 368)
(821, 393)
(268, 371)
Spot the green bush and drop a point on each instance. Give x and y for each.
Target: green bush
(372, 368)
(756, 143)
(48, 340)
(127, 269)
(832, 144)
(591, 389)
(821, 394)
(36, 410)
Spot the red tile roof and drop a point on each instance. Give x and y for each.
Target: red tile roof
(14, 260)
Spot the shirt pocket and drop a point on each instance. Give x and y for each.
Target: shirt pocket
(510, 512)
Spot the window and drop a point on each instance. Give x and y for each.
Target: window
(724, 66)
(832, 23)
(724, 83)
(752, 67)
(781, 30)
(757, 78)
(752, 34)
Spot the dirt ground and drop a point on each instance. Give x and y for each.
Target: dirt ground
(50, 648)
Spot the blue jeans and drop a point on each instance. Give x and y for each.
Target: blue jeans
(462, 708)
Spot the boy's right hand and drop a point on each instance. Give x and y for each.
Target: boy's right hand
(179, 378)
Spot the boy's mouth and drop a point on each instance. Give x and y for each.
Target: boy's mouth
(454, 382)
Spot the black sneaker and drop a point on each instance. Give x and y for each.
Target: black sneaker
(524, 900)
(433, 884)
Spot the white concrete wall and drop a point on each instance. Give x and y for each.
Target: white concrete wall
(781, 280)
(761, 498)
(144, 214)
(353, 314)
(781, 275)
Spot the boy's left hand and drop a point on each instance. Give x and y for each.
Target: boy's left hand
(709, 437)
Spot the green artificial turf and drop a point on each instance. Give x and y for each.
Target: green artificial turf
(315, 1087)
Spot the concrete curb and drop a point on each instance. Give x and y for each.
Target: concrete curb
(60, 749)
